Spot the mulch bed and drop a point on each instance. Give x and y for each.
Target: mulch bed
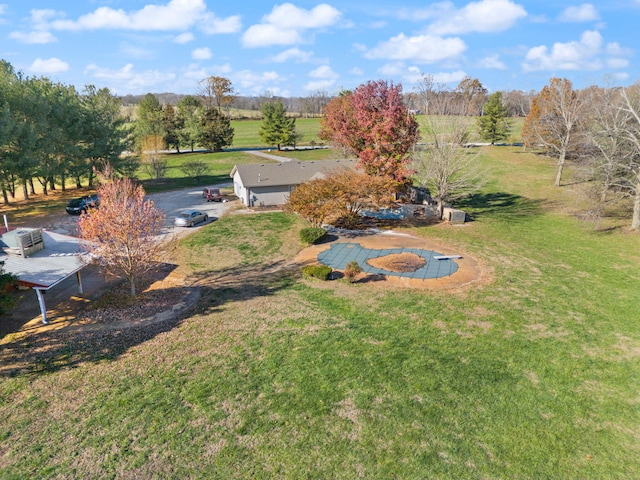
(398, 262)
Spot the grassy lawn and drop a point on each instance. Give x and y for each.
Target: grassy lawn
(246, 132)
(533, 375)
(219, 167)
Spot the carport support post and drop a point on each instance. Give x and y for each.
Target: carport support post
(79, 278)
(43, 307)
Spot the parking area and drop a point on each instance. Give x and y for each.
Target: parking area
(172, 203)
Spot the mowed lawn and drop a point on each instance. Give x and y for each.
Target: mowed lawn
(532, 374)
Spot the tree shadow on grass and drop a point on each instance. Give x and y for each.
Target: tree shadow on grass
(37, 352)
(243, 283)
(500, 205)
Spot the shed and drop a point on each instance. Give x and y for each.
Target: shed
(41, 260)
(453, 215)
(269, 184)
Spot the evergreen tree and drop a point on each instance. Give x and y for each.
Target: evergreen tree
(172, 126)
(215, 130)
(494, 125)
(276, 128)
(189, 117)
(150, 119)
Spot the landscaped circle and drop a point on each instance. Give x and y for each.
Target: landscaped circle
(398, 262)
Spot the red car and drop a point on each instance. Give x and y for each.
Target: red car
(212, 194)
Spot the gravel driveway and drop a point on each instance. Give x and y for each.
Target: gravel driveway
(172, 203)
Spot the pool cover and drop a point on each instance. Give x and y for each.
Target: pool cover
(340, 254)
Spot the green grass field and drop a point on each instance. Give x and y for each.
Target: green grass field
(533, 374)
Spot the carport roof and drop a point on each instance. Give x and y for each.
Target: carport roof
(294, 172)
(61, 258)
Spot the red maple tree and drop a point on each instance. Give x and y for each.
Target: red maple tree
(373, 123)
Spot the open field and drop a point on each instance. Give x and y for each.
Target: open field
(532, 375)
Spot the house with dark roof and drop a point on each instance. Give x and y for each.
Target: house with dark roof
(270, 184)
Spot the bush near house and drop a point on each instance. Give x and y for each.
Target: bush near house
(310, 235)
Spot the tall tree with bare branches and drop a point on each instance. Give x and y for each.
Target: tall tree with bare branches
(554, 121)
(445, 167)
(631, 105)
(217, 92)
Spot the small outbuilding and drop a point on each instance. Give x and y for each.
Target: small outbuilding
(270, 184)
(453, 215)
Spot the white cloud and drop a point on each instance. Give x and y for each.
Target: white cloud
(581, 13)
(184, 38)
(621, 77)
(614, 49)
(50, 66)
(576, 55)
(392, 69)
(34, 38)
(449, 77)
(3, 8)
(482, 16)
(315, 85)
(420, 49)
(126, 79)
(292, 54)
(286, 23)
(201, 54)
(324, 71)
(263, 35)
(175, 15)
(493, 62)
(617, 63)
(252, 83)
(211, 24)
(289, 16)
(584, 54)
(39, 33)
(356, 71)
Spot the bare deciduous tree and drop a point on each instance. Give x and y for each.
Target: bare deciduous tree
(153, 162)
(445, 167)
(554, 119)
(631, 105)
(195, 169)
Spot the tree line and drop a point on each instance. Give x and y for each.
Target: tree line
(53, 135)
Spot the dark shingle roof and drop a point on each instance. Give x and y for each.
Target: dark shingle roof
(287, 173)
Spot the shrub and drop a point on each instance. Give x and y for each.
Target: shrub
(317, 271)
(7, 283)
(311, 235)
(352, 271)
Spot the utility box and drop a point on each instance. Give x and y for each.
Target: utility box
(23, 242)
(454, 216)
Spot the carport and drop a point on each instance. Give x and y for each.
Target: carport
(42, 268)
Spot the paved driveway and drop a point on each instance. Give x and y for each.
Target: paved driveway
(172, 203)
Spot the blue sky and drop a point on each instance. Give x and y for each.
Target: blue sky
(299, 48)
